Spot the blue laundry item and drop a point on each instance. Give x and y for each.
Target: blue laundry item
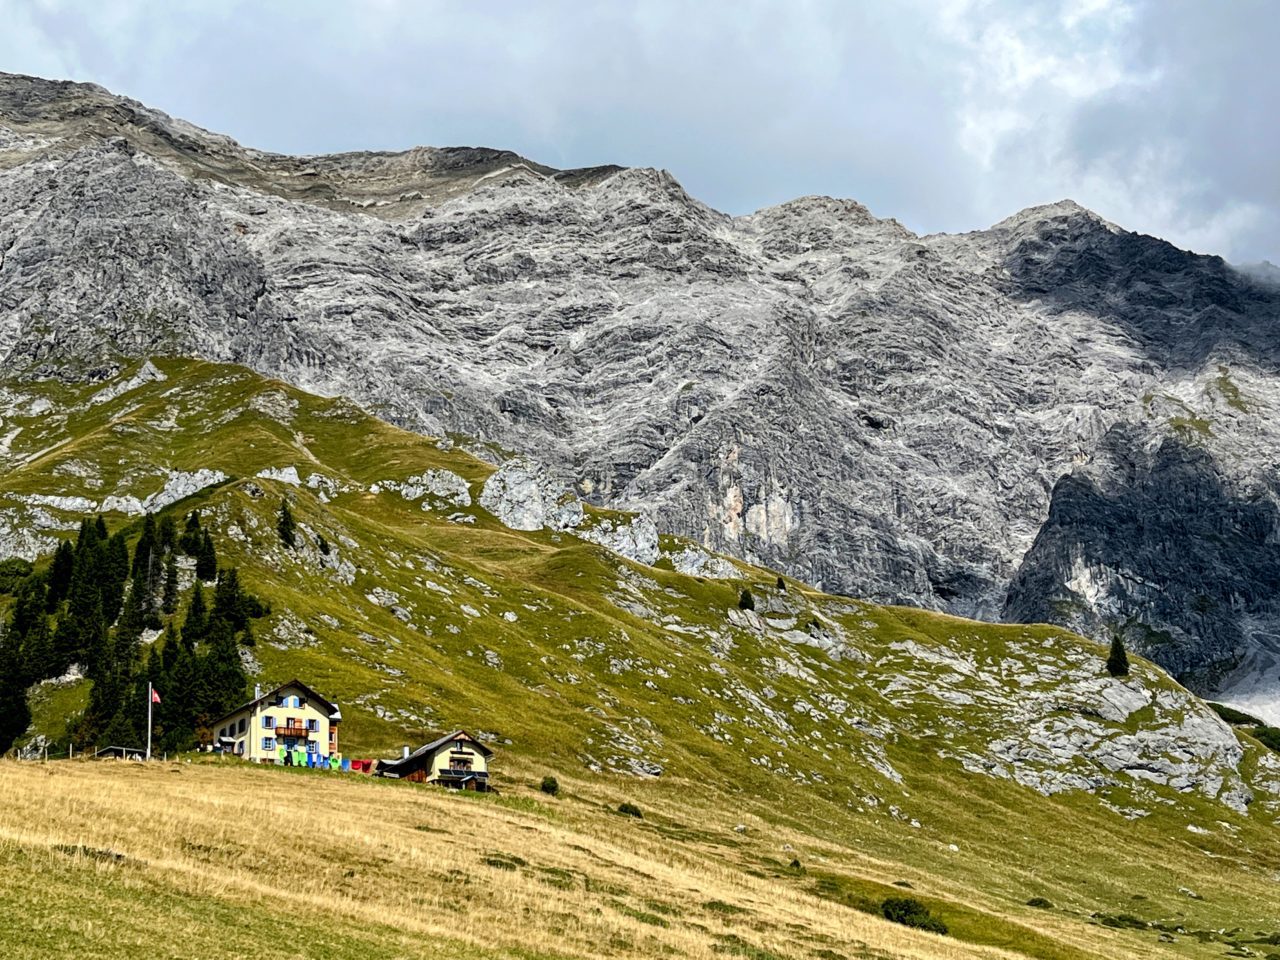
(346, 765)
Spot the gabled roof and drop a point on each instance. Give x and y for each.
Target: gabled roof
(330, 707)
(432, 747)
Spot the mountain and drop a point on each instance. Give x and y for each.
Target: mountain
(959, 423)
(428, 590)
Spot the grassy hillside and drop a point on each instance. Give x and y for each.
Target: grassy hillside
(876, 746)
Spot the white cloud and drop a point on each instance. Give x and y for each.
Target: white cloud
(948, 115)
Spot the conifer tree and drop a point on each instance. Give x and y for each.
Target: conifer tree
(1117, 660)
(30, 604)
(114, 573)
(146, 546)
(82, 625)
(169, 600)
(88, 535)
(196, 625)
(15, 714)
(60, 575)
(286, 526)
(185, 680)
(100, 528)
(112, 716)
(38, 661)
(166, 534)
(224, 678)
(169, 646)
(189, 542)
(206, 558)
(229, 600)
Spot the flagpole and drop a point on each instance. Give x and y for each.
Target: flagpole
(150, 700)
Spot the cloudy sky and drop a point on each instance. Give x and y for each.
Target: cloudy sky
(947, 114)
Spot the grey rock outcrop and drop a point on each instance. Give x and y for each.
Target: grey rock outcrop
(697, 562)
(524, 496)
(811, 387)
(437, 486)
(636, 540)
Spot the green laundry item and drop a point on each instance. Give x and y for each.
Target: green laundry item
(333, 763)
(299, 758)
(282, 754)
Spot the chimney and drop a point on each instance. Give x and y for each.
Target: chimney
(257, 691)
(406, 751)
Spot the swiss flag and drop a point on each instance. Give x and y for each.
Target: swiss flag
(155, 697)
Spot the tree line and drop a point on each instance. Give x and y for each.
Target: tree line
(90, 604)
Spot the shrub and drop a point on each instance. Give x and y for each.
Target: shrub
(550, 786)
(1040, 903)
(1233, 716)
(322, 544)
(910, 912)
(782, 585)
(746, 601)
(630, 810)
(1270, 736)
(797, 866)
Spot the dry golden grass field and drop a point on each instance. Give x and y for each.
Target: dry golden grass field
(225, 860)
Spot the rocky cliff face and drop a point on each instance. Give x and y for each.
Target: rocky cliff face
(810, 387)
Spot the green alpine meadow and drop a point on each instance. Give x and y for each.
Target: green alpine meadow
(682, 763)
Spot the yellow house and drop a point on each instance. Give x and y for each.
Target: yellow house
(292, 720)
(457, 760)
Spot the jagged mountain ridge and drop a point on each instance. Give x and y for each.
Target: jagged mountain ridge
(811, 387)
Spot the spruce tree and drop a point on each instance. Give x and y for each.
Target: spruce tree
(189, 542)
(169, 601)
(224, 677)
(114, 572)
(1117, 660)
(88, 535)
(184, 680)
(82, 625)
(30, 604)
(146, 545)
(60, 575)
(229, 599)
(15, 714)
(206, 559)
(196, 625)
(166, 534)
(38, 661)
(286, 526)
(100, 528)
(114, 699)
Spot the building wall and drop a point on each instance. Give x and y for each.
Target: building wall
(440, 760)
(249, 742)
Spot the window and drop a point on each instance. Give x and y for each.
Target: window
(268, 722)
(313, 724)
(268, 743)
(311, 746)
(290, 702)
(244, 722)
(222, 733)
